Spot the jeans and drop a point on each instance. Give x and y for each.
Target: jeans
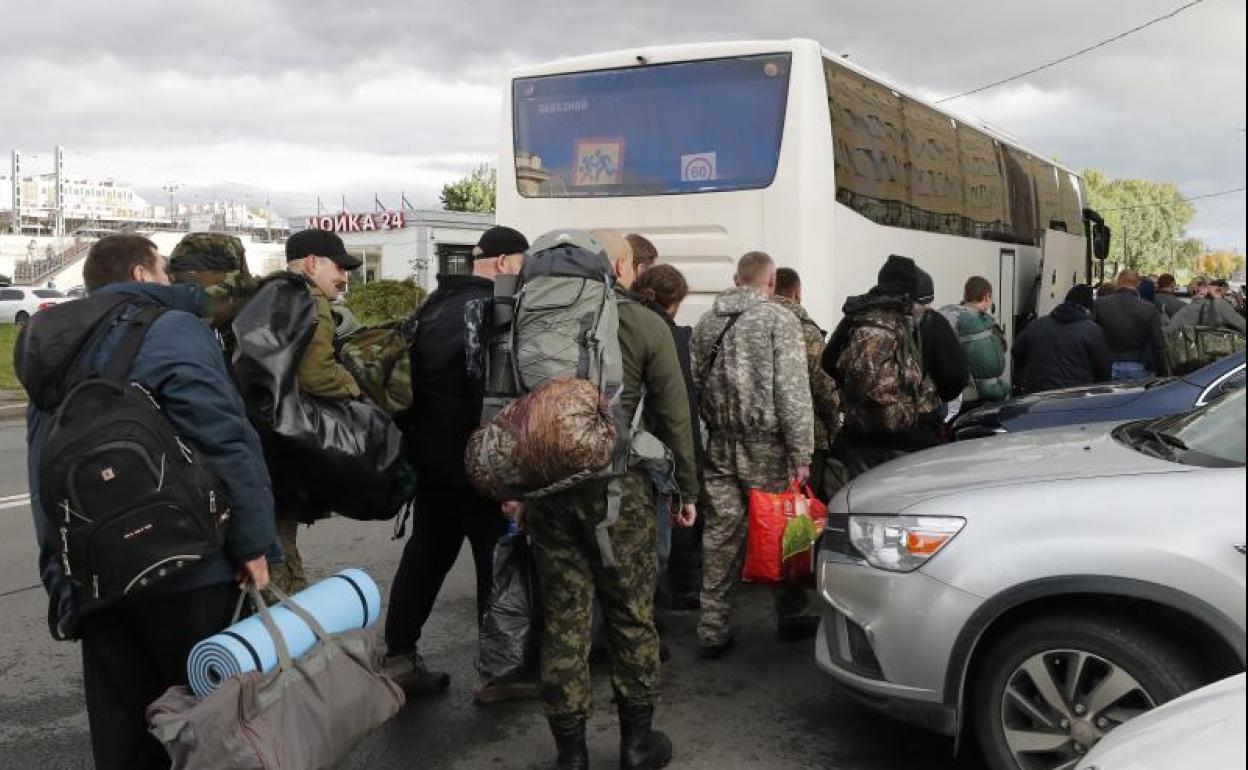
(1129, 370)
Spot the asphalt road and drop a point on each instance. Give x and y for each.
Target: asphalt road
(766, 705)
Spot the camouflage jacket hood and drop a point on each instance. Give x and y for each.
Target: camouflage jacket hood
(757, 388)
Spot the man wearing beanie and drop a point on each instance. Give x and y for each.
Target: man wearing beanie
(1064, 349)
(448, 509)
(895, 361)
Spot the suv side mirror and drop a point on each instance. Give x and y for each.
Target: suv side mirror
(1100, 240)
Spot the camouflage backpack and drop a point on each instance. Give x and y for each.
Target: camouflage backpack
(380, 360)
(881, 373)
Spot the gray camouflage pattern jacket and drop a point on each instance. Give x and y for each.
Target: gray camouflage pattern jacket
(757, 389)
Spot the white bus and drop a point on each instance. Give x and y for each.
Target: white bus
(712, 150)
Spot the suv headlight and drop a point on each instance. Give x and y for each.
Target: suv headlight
(902, 543)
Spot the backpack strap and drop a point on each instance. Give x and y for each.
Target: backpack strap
(709, 364)
(118, 366)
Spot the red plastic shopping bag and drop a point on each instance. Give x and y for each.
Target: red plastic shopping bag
(782, 530)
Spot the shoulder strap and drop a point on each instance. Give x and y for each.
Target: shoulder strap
(709, 363)
(118, 366)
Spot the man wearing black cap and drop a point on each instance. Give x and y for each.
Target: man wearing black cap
(447, 400)
(321, 259)
(1064, 349)
(895, 361)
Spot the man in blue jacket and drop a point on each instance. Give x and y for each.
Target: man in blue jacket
(134, 650)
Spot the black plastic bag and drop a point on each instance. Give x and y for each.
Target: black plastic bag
(510, 629)
(323, 455)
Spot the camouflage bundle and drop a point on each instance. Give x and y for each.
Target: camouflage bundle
(881, 369)
(549, 439)
(379, 358)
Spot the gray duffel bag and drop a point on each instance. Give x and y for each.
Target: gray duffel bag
(306, 713)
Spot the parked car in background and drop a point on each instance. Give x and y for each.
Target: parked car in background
(75, 292)
(1038, 589)
(1107, 401)
(19, 303)
(1203, 729)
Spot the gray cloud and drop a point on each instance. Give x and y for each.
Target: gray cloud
(420, 81)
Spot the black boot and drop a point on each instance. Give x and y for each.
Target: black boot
(641, 748)
(569, 735)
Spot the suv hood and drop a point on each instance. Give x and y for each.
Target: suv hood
(1106, 395)
(1040, 455)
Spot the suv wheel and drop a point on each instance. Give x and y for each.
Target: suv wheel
(1050, 689)
(21, 317)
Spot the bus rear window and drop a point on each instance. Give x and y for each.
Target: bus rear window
(700, 126)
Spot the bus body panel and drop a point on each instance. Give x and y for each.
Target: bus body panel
(796, 219)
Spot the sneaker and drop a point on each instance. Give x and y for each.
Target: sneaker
(409, 672)
(797, 628)
(716, 651)
(497, 692)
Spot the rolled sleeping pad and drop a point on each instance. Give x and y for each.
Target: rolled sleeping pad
(346, 600)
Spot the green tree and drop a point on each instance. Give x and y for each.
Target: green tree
(1149, 220)
(475, 192)
(384, 300)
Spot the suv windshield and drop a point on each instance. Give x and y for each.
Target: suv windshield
(1212, 436)
(698, 126)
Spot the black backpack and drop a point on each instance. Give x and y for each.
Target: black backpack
(132, 503)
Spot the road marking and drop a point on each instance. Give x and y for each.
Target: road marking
(14, 501)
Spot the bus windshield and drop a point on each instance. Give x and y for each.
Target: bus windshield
(698, 126)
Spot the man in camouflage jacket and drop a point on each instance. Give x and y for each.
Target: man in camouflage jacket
(755, 398)
(823, 393)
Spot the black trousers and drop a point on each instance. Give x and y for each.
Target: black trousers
(684, 566)
(443, 517)
(130, 656)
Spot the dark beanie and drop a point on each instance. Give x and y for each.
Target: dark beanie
(898, 276)
(924, 288)
(1080, 294)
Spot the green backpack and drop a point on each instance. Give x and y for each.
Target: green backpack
(983, 342)
(380, 360)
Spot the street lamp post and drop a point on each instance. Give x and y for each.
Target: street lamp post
(171, 187)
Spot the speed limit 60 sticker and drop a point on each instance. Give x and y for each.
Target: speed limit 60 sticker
(698, 167)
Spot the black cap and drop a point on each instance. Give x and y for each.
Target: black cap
(320, 243)
(499, 241)
(899, 275)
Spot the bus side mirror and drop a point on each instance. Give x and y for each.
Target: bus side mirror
(1100, 240)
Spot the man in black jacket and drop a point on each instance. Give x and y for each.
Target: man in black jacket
(1064, 349)
(447, 399)
(1132, 329)
(134, 650)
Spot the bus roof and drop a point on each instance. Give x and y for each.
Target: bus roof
(668, 54)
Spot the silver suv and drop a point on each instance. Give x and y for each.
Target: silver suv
(1041, 588)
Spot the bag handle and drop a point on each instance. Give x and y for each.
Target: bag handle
(284, 662)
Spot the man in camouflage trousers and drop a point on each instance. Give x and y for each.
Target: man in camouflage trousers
(749, 369)
(570, 566)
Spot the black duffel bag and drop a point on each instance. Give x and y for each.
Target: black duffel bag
(324, 455)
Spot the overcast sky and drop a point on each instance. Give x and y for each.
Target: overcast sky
(325, 97)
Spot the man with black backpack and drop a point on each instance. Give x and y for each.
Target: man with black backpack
(447, 408)
(147, 485)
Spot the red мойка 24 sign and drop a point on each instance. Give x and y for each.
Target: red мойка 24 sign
(357, 223)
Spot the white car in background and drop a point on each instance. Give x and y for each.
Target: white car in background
(19, 303)
(1203, 729)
